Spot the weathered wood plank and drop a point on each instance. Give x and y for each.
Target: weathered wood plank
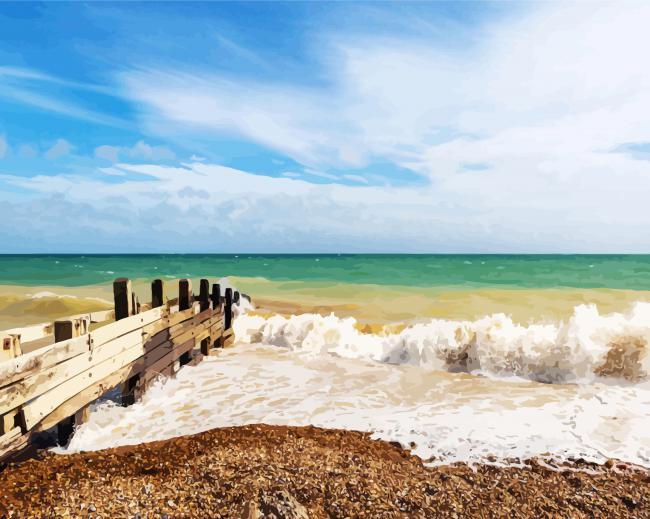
(44, 380)
(20, 367)
(85, 397)
(155, 368)
(113, 330)
(228, 337)
(12, 442)
(38, 409)
(40, 331)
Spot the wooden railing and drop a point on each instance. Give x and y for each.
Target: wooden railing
(72, 362)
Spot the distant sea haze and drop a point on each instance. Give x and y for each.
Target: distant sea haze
(631, 272)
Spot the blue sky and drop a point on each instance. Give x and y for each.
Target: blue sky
(288, 127)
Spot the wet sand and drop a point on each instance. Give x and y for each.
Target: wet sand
(299, 472)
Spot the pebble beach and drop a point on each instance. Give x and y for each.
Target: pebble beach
(260, 471)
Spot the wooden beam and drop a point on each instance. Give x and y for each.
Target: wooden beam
(184, 294)
(44, 380)
(29, 363)
(204, 294)
(157, 293)
(113, 330)
(90, 394)
(38, 409)
(228, 337)
(13, 442)
(123, 296)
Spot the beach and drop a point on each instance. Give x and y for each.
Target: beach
(305, 472)
(524, 386)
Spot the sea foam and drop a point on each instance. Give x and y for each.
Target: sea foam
(585, 348)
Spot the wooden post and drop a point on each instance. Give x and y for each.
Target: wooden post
(123, 298)
(184, 294)
(157, 293)
(205, 346)
(10, 347)
(204, 294)
(227, 317)
(216, 295)
(135, 304)
(64, 430)
(129, 390)
(64, 330)
(67, 329)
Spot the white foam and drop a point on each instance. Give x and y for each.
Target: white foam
(412, 388)
(449, 417)
(586, 348)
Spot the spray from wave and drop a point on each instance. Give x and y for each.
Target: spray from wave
(588, 347)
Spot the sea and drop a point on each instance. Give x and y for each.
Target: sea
(460, 358)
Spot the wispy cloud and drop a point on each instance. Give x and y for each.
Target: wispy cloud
(524, 139)
(65, 108)
(392, 98)
(27, 86)
(31, 75)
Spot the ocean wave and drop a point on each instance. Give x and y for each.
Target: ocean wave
(588, 347)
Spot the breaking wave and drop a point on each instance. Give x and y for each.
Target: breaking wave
(588, 347)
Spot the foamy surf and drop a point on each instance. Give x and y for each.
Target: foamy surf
(443, 417)
(412, 388)
(586, 348)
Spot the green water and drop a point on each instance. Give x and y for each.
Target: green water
(481, 271)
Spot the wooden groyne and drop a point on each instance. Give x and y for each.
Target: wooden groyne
(49, 374)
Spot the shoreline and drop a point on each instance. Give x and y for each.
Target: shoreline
(311, 472)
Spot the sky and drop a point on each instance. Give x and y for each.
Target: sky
(325, 127)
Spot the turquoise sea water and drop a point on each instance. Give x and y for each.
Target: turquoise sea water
(516, 271)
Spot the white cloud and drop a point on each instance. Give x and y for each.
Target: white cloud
(139, 151)
(106, 152)
(233, 210)
(60, 148)
(356, 178)
(543, 98)
(27, 151)
(197, 158)
(554, 71)
(144, 151)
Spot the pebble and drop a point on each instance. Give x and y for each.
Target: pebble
(297, 472)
